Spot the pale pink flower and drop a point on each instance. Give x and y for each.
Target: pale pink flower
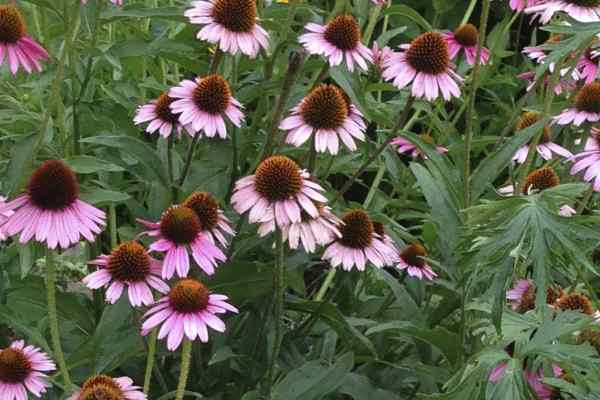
(566, 211)
(583, 13)
(546, 147)
(498, 372)
(23, 369)
(3, 216)
(564, 84)
(522, 295)
(278, 190)
(213, 222)
(231, 24)
(406, 147)
(465, 38)
(105, 387)
(359, 244)
(19, 49)
(178, 234)
(380, 55)
(128, 267)
(588, 65)
(50, 211)
(310, 231)
(426, 63)
(160, 117)
(589, 160)
(339, 40)
(203, 104)
(412, 259)
(543, 391)
(586, 107)
(189, 309)
(327, 113)
(519, 5)
(379, 2)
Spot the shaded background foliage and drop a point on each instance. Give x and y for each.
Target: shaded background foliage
(376, 335)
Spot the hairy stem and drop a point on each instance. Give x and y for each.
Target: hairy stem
(186, 358)
(471, 106)
(53, 319)
(399, 124)
(150, 359)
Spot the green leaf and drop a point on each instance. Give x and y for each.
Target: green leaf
(97, 196)
(137, 149)
(91, 165)
(20, 164)
(313, 381)
(401, 9)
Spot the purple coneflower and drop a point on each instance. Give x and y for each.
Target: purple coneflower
(589, 160)
(412, 259)
(327, 113)
(129, 267)
(107, 388)
(309, 231)
(213, 222)
(189, 309)
(178, 234)
(588, 65)
(231, 24)
(380, 55)
(426, 63)
(19, 49)
(278, 190)
(519, 5)
(359, 244)
(23, 369)
(466, 38)
(3, 216)
(562, 86)
(521, 296)
(586, 106)
(203, 103)
(546, 147)
(543, 391)
(580, 10)
(160, 117)
(339, 40)
(406, 147)
(50, 210)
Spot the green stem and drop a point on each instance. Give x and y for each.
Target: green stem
(150, 359)
(468, 12)
(374, 17)
(170, 143)
(328, 279)
(112, 226)
(53, 320)
(471, 106)
(186, 358)
(278, 286)
(375, 185)
(401, 120)
(586, 199)
(188, 160)
(214, 65)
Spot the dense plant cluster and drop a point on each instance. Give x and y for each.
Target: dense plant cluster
(328, 199)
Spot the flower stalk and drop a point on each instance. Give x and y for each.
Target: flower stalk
(186, 358)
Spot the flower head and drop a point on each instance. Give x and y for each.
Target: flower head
(565, 84)
(465, 38)
(581, 10)
(588, 65)
(575, 301)
(203, 104)
(23, 369)
(425, 63)
(188, 309)
(278, 190)
(50, 210)
(380, 55)
(160, 116)
(129, 267)
(339, 40)
(4, 216)
(213, 222)
(327, 113)
(359, 244)
(309, 231)
(546, 147)
(231, 24)
(522, 295)
(589, 160)
(405, 146)
(179, 233)
(519, 5)
(543, 391)
(103, 387)
(541, 179)
(19, 48)
(412, 259)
